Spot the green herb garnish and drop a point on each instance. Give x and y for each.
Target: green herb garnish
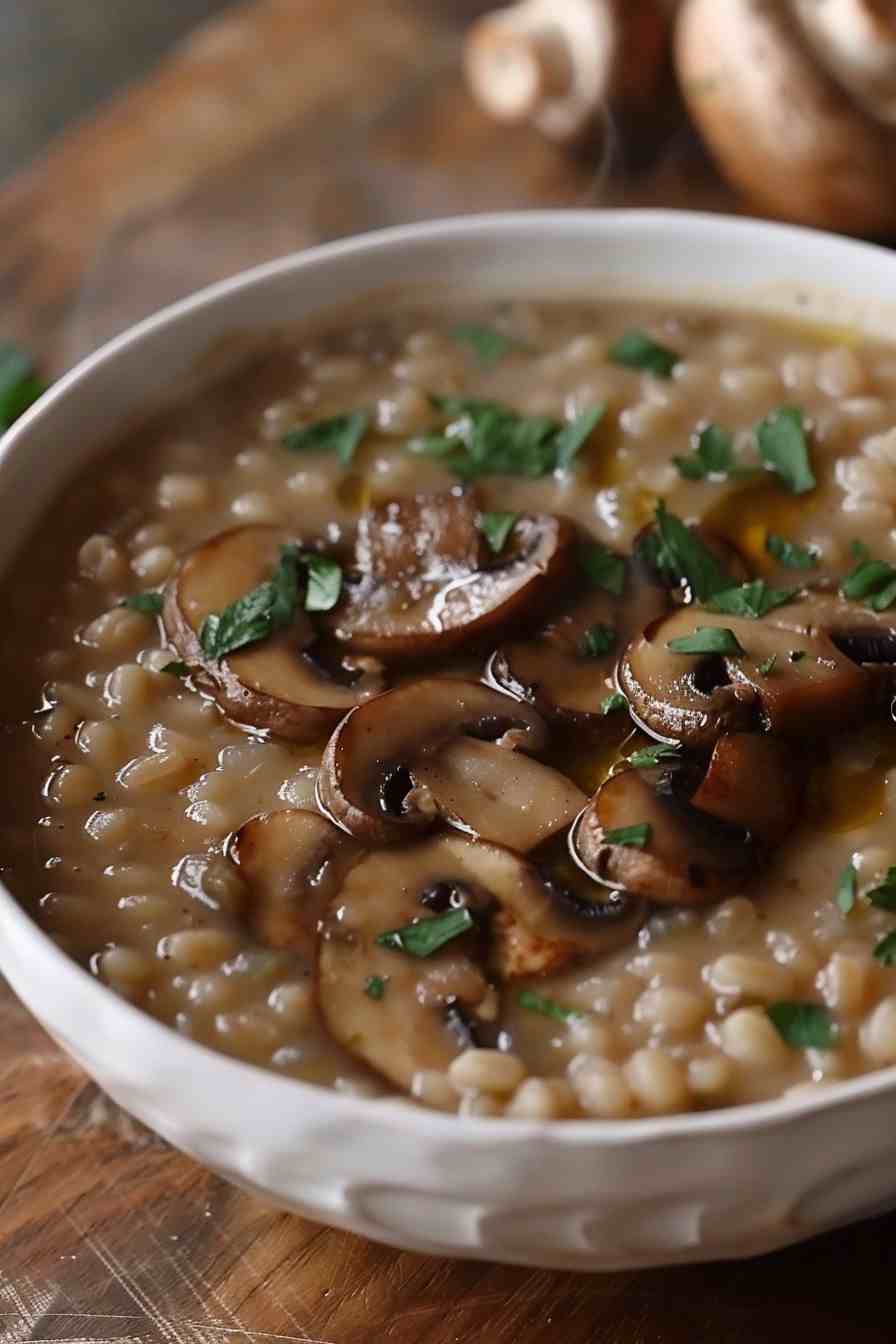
(753, 600)
(272, 605)
(683, 554)
(484, 438)
(708, 639)
(713, 455)
(427, 935)
(573, 436)
(884, 896)
(766, 668)
(487, 344)
(846, 888)
(597, 640)
(176, 669)
(637, 350)
(648, 757)
(804, 1025)
(784, 447)
(885, 950)
(375, 987)
(537, 1003)
(789, 554)
(324, 581)
(148, 604)
(871, 580)
(20, 385)
(496, 528)
(340, 434)
(613, 702)
(635, 837)
(603, 568)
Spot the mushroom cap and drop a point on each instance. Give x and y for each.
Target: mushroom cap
(292, 861)
(689, 858)
(365, 784)
(780, 128)
(426, 584)
(277, 683)
(856, 42)
(756, 782)
(693, 699)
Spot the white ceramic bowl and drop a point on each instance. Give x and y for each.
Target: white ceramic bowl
(585, 1194)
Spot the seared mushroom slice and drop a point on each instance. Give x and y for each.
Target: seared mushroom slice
(365, 783)
(293, 862)
(278, 683)
(402, 1013)
(427, 583)
(790, 679)
(640, 834)
(753, 781)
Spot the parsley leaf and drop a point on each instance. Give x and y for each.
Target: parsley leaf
(375, 987)
(613, 702)
(846, 888)
(597, 640)
(496, 528)
(176, 669)
(324, 581)
(804, 1025)
(19, 384)
(487, 343)
(884, 896)
(603, 568)
(537, 1003)
(683, 554)
(708, 639)
(767, 668)
(576, 434)
(753, 600)
(648, 757)
(635, 837)
(873, 580)
(637, 350)
(427, 935)
(340, 434)
(885, 949)
(272, 605)
(712, 456)
(149, 603)
(791, 555)
(784, 448)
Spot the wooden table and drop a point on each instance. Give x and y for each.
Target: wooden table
(279, 125)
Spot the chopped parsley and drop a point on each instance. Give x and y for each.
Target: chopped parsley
(634, 837)
(375, 987)
(846, 889)
(597, 640)
(753, 600)
(871, 581)
(613, 702)
(538, 1003)
(648, 757)
(176, 669)
(804, 1025)
(708, 639)
(488, 345)
(784, 448)
(636, 350)
(20, 385)
(272, 605)
(148, 604)
(767, 667)
(681, 553)
(426, 936)
(713, 455)
(884, 896)
(484, 438)
(574, 435)
(603, 568)
(789, 554)
(339, 434)
(885, 949)
(496, 528)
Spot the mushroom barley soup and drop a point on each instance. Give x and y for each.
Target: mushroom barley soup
(493, 708)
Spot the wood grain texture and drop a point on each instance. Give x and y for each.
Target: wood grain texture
(258, 135)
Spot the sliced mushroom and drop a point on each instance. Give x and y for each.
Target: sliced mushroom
(856, 41)
(425, 584)
(792, 678)
(685, 857)
(365, 783)
(425, 1010)
(293, 862)
(756, 782)
(279, 683)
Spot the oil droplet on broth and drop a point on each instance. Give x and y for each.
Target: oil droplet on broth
(747, 515)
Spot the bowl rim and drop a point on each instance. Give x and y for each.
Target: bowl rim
(731, 231)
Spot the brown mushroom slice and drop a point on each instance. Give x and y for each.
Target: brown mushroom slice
(495, 794)
(402, 1013)
(756, 782)
(790, 680)
(427, 583)
(365, 784)
(277, 683)
(686, 858)
(293, 862)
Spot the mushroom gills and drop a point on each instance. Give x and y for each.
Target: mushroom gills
(424, 583)
(289, 683)
(292, 862)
